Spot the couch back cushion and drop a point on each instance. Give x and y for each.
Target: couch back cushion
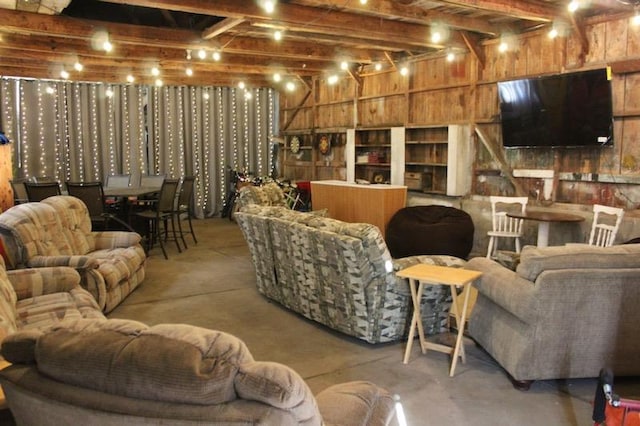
(173, 363)
(534, 260)
(38, 227)
(75, 221)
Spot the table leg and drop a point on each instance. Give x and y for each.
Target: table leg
(461, 317)
(416, 293)
(543, 234)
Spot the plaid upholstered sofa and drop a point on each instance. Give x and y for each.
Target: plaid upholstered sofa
(57, 232)
(565, 312)
(269, 194)
(338, 274)
(168, 374)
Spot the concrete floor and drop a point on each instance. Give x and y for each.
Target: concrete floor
(212, 284)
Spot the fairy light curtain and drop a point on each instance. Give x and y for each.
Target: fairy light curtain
(86, 131)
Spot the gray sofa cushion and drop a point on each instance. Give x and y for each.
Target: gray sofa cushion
(534, 260)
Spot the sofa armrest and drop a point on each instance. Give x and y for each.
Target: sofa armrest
(358, 402)
(115, 239)
(38, 281)
(75, 261)
(505, 288)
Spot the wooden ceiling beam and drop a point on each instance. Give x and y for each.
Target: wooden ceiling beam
(405, 13)
(514, 8)
(221, 27)
(303, 18)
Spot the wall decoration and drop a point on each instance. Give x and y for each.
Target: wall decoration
(324, 145)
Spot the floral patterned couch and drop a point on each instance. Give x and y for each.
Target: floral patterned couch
(57, 232)
(338, 274)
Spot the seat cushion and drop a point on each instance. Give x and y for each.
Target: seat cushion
(430, 230)
(42, 312)
(117, 265)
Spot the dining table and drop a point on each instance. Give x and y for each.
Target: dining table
(130, 191)
(544, 219)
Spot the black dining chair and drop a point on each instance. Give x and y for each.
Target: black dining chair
(92, 195)
(19, 191)
(159, 215)
(183, 206)
(40, 191)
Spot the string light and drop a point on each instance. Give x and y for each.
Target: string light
(181, 136)
(156, 132)
(246, 156)
(23, 119)
(189, 72)
(141, 120)
(277, 77)
(126, 128)
(202, 54)
(195, 153)
(64, 74)
(216, 55)
(333, 79)
(78, 66)
(277, 35)
(272, 159)
(234, 123)
(404, 71)
(130, 78)
(258, 109)
(41, 138)
(221, 150)
(291, 86)
(170, 137)
(378, 66)
(94, 132)
(113, 149)
(79, 132)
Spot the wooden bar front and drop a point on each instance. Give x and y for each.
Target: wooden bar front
(350, 202)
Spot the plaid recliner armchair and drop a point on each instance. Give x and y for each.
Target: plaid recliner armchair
(57, 232)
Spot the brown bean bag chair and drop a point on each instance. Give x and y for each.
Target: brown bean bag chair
(430, 230)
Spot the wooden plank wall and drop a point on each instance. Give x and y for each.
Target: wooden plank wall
(439, 92)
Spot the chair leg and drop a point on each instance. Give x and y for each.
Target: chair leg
(175, 235)
(159, 236)
(180, 231)
(490, 248)
(193, 234)
(518, 245)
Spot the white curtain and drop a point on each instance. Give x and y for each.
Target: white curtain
(86, 131)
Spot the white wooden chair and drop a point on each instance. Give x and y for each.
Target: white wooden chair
(606, 221)
(503, 225)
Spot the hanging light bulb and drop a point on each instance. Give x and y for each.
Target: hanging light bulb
(277, 35)
(451, 56)
(188, 54)
(107, 46)
(291, 86)
(553, 33)
(241, 85)
(155, 71)
(189, 72)
(377, 66)
(573, 6)
(109, 93)
(78, 66)
(64, 74)
(159, 82)
(363, 1)
(636, 18)
(503, 47)
(333, 79)
(344, 65)
(404, 70)
(202, 54)
(248, 95)
(131, 78)
(277, 77)
(216, 55)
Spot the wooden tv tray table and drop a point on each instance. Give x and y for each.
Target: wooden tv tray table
(421, 275)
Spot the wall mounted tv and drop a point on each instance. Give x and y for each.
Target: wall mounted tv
(564, 110)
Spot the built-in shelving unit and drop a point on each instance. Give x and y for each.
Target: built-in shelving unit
(438, 159)
(375, 154)
(307, 161)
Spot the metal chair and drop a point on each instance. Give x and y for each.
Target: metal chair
(19, 191)
(161, 214)
(183, 206)
(40, 191)
(43, 179)
(606, 221)
(92, 195)
(504, 226)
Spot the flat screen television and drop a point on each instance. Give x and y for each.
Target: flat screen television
(564, 110)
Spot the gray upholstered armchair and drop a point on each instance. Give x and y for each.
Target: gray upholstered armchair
(566, 312)
(115, 372)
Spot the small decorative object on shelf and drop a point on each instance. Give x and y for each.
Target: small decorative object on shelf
(295, 144)
(4, 139)
(324, 145)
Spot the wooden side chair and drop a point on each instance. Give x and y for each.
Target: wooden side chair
(504, 226)
(606, 222)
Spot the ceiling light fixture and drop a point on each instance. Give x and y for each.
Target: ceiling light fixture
(188, 54)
